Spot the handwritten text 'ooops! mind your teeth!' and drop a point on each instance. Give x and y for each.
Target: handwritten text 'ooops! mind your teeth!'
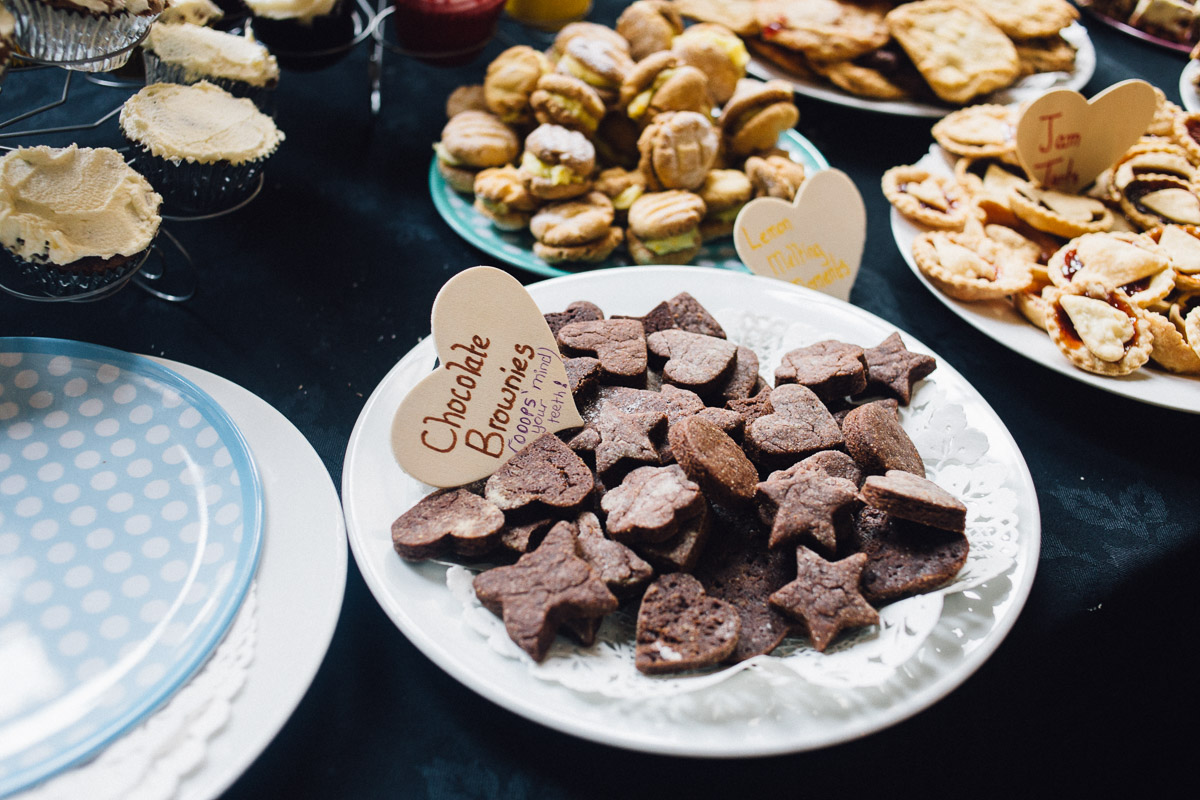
(524, 375)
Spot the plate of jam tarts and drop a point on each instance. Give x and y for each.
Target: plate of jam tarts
(1167, 23)
(748, 685)
(922, 59)
(1101, 286)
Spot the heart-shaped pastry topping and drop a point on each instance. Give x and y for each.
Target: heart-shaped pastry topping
(815, 241)
(500, 383)
(679, 627)
(1065, 141)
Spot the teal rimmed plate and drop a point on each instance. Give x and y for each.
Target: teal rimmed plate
(516, 247)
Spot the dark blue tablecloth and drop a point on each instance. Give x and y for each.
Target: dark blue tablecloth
(309, 295)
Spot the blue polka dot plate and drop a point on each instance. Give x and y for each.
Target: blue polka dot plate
(130, 529)
(516, 247)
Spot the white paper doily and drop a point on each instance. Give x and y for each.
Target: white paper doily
(148, 762)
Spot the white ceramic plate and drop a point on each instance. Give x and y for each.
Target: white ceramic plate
(130, 529)
(1025, 89)
(375, 491)
(1002, 322)
(300, 583)
(1188, 92)
(297, 599)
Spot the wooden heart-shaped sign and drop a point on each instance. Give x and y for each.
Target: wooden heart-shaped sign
(1065, 141)
(499, 384)
(815, 241)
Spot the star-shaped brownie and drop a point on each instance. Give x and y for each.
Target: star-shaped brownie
(544, 589)
(893, 369)
(629, 437)
(825, 596)
(806, 504)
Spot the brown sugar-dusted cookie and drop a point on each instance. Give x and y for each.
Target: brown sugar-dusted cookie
(679, 627)
(628, 438)
(712, 459)
(578, 311)
(523, 533)
(542, 590)
(738, 568)
(442, 522)
(622, 571)
(546, 471)
(753, 407)
(910, 497)
(888, 404)
(743, 379)
(878, 442)
(682, 551)
(804, 506)
(799, 427)
(694, 361)
(893, 368)
(620, 344)
(834, 463)
(825, 597)
(684, 312)
(831, 369)
(583, 373)
(650, 503)
(903, 558)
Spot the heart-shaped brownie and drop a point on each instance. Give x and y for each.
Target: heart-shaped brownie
(680, 627)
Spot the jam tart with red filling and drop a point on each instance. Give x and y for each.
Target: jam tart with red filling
(1152, 200)
(1132, 262)
(969, 266)
(1059, 213)
(1150, 158)
(928, 199)
(1098, 329)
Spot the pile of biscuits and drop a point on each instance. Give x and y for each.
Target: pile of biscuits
(1112, 274)
(723, 511)
(948, 51)
(649, 134)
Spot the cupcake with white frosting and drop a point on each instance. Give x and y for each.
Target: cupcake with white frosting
(75, 213)
(89, 35)
(304, 34)
(202, 148)
(191, 53)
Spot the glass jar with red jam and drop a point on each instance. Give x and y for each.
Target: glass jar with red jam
(445, 32)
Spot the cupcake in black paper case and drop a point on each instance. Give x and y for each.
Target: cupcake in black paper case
(91, 35)
(191, 53)
(75, 214)
(201, 147)
(193, 12)
(304, 34)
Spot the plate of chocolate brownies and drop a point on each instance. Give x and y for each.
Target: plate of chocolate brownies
(776, 507)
